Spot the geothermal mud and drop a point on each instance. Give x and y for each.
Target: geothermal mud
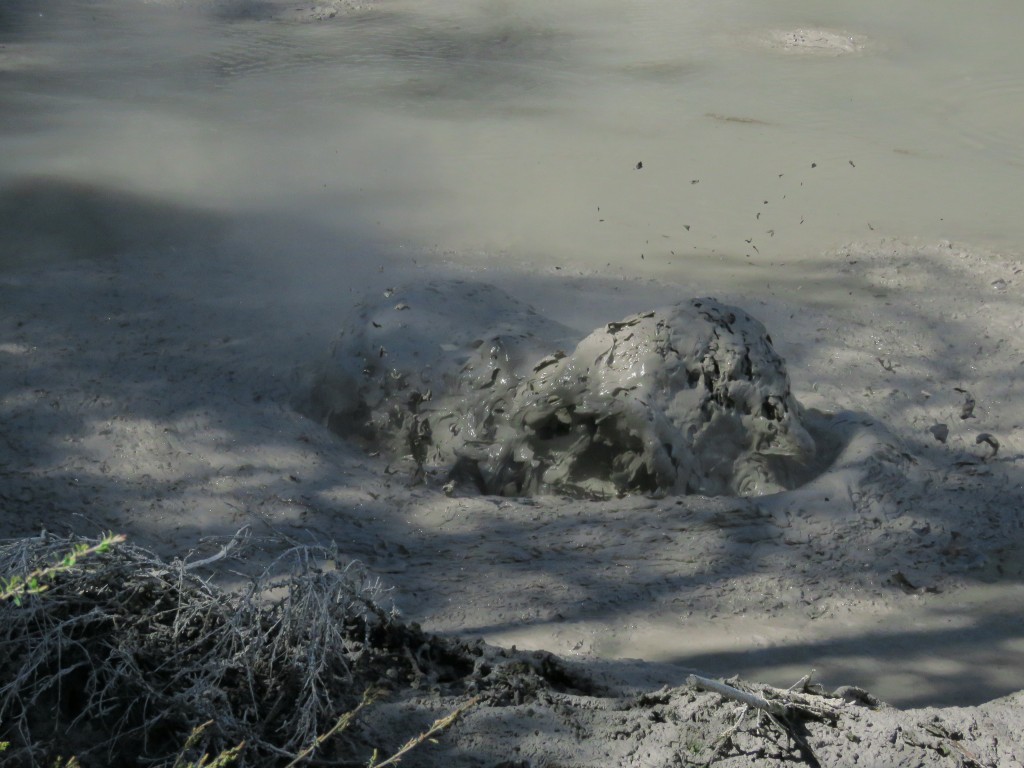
(687, 399)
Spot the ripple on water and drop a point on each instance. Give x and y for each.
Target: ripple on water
(412, 57)
(266, 53)
(985, 112)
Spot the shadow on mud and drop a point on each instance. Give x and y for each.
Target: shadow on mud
(44, 219)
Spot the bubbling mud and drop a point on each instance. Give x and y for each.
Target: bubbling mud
(687, 399)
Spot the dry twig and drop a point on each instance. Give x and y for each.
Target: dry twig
(782, 708)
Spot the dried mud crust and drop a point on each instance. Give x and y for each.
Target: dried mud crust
(123, 656)
(688, 399)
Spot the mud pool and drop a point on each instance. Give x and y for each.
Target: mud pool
(195, 195)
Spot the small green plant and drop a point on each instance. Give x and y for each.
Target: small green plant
(225, 758)
(428, 735)
(17, 588)
(369, 696)
(71, 762)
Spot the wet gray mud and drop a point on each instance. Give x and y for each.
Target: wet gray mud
(460, 381)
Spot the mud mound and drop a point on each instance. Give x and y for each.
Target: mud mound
(687, 399)
(123, 657)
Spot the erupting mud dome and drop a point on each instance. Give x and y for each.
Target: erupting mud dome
(686, 399)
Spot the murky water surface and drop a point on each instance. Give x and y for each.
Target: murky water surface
(767, 133)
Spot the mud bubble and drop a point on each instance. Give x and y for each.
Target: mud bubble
(472, 386)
